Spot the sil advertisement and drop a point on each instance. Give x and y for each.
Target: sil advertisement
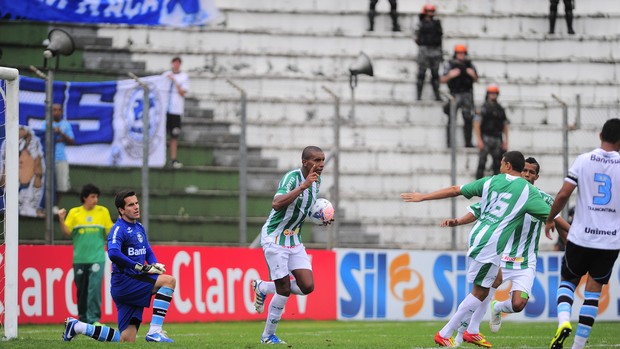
(429, 285)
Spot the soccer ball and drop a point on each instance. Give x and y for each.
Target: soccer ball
(322, 212)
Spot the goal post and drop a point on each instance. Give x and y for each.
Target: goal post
(11, 214)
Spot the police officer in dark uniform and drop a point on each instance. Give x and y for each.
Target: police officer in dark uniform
(569, 5)
(393, 13)
(428, 35)
(491, 128)
(460, 75)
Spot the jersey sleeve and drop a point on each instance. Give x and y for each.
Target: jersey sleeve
(70, 219)
(475, 210)
(115, 249)
(537, 206)
(287, 183)
(108, 220)
(150, 255)
(573, 172)
(474, 188)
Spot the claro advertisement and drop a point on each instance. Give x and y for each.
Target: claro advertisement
(213, 284)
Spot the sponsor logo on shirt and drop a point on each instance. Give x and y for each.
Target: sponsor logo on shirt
(136, 251)
(288, 232)
(595, 231)
(596, 158)
(507, 258)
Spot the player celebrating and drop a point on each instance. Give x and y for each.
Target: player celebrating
(282, 243)
(133, 281)
(593, 242)
(506, 198)
(518, 265)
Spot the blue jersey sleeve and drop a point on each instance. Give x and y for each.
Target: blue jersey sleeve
(115, 249)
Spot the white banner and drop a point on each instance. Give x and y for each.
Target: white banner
(429, 285)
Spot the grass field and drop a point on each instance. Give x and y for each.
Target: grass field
(324, 334)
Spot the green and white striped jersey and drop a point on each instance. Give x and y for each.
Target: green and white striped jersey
(283, 227)
(505, 199)
(522, 248)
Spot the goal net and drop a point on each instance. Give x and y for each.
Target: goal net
(9, 186)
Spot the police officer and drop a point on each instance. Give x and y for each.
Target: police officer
(428, 35)
(393, 14)
(491, 128)
(460, 75)
(568, 13)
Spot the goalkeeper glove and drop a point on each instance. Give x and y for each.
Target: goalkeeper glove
(148, 268)
(160, 267)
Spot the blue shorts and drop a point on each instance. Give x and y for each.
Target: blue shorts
(132, 294)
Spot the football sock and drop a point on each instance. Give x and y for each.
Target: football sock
(465, 310)
(476, 318)
(100, 333)
(459, 335)
(295, 288)
(505, 306)
(565, 296)
(267, 287)
(276, 307)
(587, 315)
(160, 308)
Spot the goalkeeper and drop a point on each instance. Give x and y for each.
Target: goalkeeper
(136, 276)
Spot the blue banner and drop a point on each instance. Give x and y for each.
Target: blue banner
(106, 118)
(177, 13)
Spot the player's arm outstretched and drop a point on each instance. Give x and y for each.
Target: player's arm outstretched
(453, 222)
(449, 192)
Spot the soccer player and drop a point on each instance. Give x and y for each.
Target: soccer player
(133, 281)
(518, 264)
(593, 240)
(282, 243)
(506, 198)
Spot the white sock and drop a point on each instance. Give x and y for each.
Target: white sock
(467, 307)
(476, 319)
(80, 327)
(505, 306)
(459, 335)
(267, 287)
(579, 342)
(276, 308)
(295, 288)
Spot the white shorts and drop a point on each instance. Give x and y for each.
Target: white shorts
(63, 184)
(522, 279)
(481, 274)
(282, 260)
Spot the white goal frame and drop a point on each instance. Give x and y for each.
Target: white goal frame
(11, 218)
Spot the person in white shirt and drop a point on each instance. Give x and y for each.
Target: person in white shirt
(179, 87)
(593, 240)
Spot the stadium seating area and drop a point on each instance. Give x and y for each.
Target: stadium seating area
(284, 52)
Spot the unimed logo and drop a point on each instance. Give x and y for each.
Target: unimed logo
(366, 277)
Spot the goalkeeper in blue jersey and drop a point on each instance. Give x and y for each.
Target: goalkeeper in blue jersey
(136, 277)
